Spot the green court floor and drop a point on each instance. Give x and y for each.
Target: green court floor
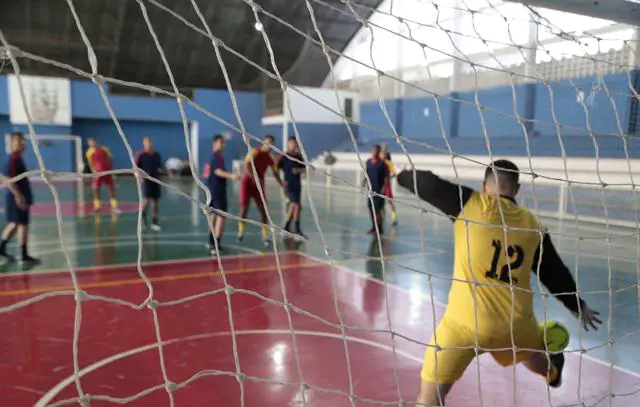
(416, 255)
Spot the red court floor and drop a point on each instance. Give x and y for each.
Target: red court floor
(119, 359)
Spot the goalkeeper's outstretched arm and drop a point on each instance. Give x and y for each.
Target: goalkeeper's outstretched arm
(448, 197)
(558, 279)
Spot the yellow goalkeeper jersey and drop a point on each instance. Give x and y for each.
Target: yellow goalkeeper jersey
(491, 260)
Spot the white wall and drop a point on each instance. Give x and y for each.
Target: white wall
(317, 105)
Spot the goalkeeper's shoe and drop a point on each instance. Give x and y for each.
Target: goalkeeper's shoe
(557, 361)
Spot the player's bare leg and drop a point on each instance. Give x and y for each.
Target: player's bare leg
(297, 208)
(7, 234)
(113, 200)
(432, 394)
(394, 213)
(218, 228)
(290, 216)
(550, 368)
(244, 210)
(145, 205)
(97, 204)
(376, 219)
(264, 229)
(23, 236)
(216, 224)
(155, 209)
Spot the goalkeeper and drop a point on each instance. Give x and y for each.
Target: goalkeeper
(490, 303)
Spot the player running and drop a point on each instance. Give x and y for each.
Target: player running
(217, 175)
(99, 160)
(292, 164)
(378, 174)
(487, 267)
(263, 160)
(388, 192)
(18, 201)
(149, 161)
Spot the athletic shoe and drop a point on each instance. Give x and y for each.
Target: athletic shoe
(116, 211)
(155, 227)
(28, 259)
(267, 243)
(394, 223)
(557, 360)
(239, 238)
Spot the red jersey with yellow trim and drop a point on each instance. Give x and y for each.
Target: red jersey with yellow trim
(262, 161)
(99, 159)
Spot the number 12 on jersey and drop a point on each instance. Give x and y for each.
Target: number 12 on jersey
(515, 255)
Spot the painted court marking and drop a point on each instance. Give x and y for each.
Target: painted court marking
(144, 264)
(160, 279)
(55, 390)
(315, 262)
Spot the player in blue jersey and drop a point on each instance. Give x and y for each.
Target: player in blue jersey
(292, 165)
(217, 175)
(18, 200)
(149, 161)
(378, 175)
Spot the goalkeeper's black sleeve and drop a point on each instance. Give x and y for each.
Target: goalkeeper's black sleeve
(556, 276)
(440, 193)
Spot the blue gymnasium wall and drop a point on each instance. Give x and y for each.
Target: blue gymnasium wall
(157, 117)
(466, 136)
(167, 138)
(316, 137)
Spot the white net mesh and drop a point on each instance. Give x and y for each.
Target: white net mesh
(448, 55)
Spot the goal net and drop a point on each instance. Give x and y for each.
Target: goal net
(450, 87)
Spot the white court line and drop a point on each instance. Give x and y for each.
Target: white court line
(444, 306)
(143, 264)
(55, 390)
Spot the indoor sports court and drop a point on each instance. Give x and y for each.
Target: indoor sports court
(132, 126)
(388, 302)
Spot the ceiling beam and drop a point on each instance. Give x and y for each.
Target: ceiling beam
(120, 19)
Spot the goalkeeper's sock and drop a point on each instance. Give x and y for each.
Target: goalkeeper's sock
(97, 205)
(394, 216)
(241, 228)
(114, 203)
(264, 231)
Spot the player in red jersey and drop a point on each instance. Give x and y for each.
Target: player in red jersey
(261, 160)
(99, 159)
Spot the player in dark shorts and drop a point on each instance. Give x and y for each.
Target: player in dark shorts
(150, 162)
(18, 200)
(292, 166)
(378, 175)
(262, 160)
(217, 175)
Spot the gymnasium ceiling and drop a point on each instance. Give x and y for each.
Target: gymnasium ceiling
(125, 49)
